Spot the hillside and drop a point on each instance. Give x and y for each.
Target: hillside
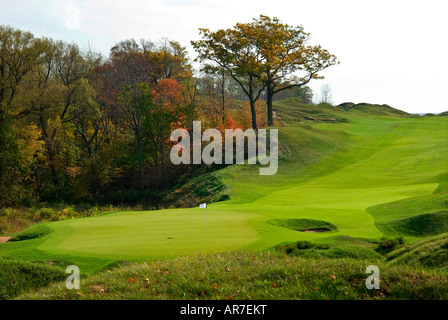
(370, 171)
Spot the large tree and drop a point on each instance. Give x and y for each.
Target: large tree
(232, 52)
(287, 58)
(128, 76)
(274, 54)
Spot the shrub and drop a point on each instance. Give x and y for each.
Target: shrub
(44, 214)
(2, 225)
(303, 245)
(299, 247)
(387, 245)
(6, 211)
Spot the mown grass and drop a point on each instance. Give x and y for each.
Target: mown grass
(253, 275)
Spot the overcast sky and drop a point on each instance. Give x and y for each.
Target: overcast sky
(391, 51)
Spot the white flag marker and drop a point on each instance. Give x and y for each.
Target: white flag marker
(204, 205)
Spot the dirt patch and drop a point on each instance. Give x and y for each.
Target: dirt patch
(4, 239)
(317, 230)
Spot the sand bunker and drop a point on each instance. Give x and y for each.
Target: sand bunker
(4, 239)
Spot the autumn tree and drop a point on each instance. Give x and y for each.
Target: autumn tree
(268, 51)
(230, 50)
(164, 114)
(65, 89)
(213, 85)
(132, 71)
(288, 61)
(20, 54)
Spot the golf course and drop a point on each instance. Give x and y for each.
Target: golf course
(222, 158)
(347, 178)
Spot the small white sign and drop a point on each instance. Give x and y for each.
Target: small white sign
(203, 205)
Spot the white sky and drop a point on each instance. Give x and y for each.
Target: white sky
(391, 51)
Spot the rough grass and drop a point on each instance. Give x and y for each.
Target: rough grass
(431, 252)
(205, 188)
(18, 276)
(303, 224)
(251, 276)
(33, 232)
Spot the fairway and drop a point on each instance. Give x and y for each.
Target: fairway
(350, 167)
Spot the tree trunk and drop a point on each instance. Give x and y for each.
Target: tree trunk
(51, 156)
(252, 106)
(49, 144)
(142, 173)
(269, 97)
(223, 110)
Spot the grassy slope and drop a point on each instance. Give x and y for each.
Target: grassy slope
(260, 275)
(431, 252)
(18, 276)
(338, 170)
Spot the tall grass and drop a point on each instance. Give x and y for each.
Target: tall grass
(18, 276)
(266, 275)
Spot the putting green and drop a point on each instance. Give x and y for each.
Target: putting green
(151, 233)
(333, 172)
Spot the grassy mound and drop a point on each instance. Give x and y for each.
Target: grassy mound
(422, 225)
(304, 224)
(414, 216)
(307, 249)
(18, 276)
(377, 109)
(208, 187)
(431, 252)
(32, 232)
(343, 252)
(292, 110)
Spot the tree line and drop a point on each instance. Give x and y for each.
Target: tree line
(79, 127)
